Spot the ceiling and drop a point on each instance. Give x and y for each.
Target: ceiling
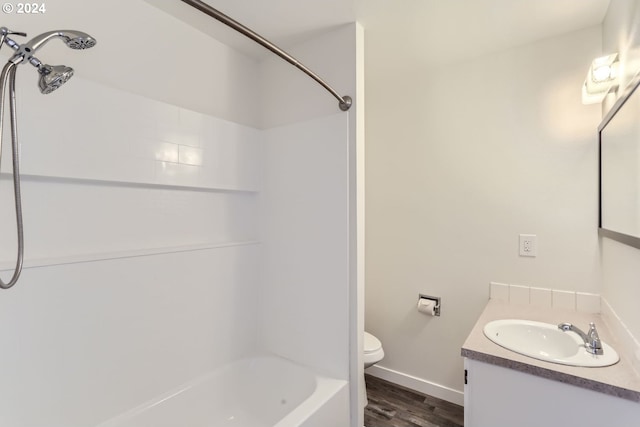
(425, 32)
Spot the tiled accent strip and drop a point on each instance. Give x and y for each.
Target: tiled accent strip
(546, 298)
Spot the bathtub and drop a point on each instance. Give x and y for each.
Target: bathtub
(256, 392)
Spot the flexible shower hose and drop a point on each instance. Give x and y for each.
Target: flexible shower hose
(9, 74)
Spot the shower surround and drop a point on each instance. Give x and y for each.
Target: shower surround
(172, 233)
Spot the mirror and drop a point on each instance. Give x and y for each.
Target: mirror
(620, 169)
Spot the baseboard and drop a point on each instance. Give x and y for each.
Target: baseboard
(417, 384)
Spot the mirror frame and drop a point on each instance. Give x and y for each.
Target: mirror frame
(627, 239)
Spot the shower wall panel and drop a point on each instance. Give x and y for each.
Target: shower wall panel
(305, 240)
(84, 342)
(130, 174)
(126, 137)
(142, 253)
(140, 201)
(309, 205)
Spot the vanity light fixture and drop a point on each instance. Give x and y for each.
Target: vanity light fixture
(601, 78)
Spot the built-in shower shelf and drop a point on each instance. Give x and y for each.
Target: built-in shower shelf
(132, 184)
(131, 253)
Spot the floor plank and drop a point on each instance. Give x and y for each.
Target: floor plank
(391, 405)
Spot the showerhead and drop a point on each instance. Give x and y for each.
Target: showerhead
(81, 42)
(52, 77)
(73, 39)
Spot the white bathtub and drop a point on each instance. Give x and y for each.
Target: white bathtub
(256, 392)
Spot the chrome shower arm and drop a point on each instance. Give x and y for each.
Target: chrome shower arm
(20, 55)
(344, 101)
(4, 32)
(39, 41)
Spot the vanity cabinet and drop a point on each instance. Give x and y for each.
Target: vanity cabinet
(496, 396)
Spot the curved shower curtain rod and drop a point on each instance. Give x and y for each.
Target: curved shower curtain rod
(344, 101)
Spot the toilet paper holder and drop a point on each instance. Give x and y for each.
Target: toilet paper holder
(436, 311)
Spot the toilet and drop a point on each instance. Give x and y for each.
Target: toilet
(373, 352)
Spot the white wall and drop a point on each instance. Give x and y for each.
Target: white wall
(141, 221)
(621, 263)
(460, 160)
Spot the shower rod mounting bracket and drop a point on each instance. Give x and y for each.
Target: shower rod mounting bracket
(345, 102)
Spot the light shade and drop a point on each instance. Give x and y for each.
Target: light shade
(601, 78)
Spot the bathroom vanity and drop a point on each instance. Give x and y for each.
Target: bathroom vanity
(506, 389)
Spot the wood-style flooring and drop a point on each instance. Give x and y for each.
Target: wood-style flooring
(391, 405)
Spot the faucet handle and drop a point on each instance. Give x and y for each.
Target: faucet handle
(593, 332)
(594, 339)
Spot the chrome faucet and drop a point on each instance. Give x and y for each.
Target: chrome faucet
(591, 339)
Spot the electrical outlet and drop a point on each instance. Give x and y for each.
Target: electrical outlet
(528, 245)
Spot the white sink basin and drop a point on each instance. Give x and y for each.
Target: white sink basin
(546, 342)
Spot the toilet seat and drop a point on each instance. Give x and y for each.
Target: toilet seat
(373, 352)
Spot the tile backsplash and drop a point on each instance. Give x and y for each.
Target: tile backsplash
(544, 297)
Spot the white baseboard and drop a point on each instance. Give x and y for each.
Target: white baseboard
(417, 384)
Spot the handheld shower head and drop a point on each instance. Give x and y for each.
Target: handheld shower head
(53, 76)
(25, 53)
(73, 39)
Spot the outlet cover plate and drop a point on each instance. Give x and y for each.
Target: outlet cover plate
(528, 245)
